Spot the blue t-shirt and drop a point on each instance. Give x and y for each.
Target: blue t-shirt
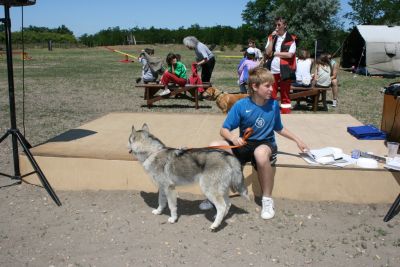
(263, 119)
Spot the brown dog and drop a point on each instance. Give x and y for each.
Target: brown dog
(224, 100)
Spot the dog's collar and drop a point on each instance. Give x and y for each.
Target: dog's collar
(220, 94)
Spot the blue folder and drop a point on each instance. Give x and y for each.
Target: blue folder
(366, 132)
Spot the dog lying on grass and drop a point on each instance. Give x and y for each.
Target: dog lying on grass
(224, 100)
(215, 170)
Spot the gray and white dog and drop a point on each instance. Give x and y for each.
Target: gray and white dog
(215, 170)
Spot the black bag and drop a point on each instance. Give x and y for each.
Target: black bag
(393, 89)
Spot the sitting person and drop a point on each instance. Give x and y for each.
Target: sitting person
(147, 74)
(334, 80)
(260, 112)
(303, 69)
(175, 73)
(323, 72)
(245, 66)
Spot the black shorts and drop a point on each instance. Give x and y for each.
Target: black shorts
(246, 153)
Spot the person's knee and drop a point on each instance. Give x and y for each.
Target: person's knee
(262, 155)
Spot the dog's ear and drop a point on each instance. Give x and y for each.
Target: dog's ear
(145, 127)
(133, 128)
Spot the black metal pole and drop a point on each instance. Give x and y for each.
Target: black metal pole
(11, 95)
(13, 131)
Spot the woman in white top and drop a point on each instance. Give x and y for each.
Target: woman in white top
(303, 69)
(323, 72)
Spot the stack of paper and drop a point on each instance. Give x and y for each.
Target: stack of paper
(393, 164)
(326, 155)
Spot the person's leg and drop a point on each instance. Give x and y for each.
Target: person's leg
(243, 88)
(275, 86)
(207, 69)
(285, 99)
(263, 155)
(334, 92)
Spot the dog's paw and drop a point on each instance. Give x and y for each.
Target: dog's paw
(172, 219)
(156, 212)
(213, 227)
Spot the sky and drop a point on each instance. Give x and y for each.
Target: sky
(89, 16)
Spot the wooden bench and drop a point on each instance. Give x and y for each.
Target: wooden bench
(150, 90)
(317, 93)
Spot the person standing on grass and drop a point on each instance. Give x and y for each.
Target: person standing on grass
(281, 51)
(334, 81)
(261, 113)
(176, 73)
(243, 70)
(204, 57)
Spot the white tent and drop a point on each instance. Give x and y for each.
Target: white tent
(376, 47)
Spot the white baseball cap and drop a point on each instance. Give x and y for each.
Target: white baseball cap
(250, 50)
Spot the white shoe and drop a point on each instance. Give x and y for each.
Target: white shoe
(334, 103)
(206, 205)
(165, 92)
(268, 211)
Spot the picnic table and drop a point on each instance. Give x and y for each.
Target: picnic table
(150, 90)
(317, 93)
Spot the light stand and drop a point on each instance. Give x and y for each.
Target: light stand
(16, 135)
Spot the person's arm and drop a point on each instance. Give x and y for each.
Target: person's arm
(289, 54)
(203, 61)
(334, 72)
(286, 133)
(268, 47)
(228, 135)
(316, 72)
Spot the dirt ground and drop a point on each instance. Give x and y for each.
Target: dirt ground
(117, 228)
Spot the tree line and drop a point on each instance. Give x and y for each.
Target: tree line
(310, 20)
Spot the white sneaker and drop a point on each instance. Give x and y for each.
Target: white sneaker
(334, 103)
(165, 92)
(206, 205)
(268, 211)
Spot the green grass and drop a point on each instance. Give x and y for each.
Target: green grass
(67, 87)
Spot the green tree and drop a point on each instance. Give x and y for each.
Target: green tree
(257, 14)
(391, 12)
(365, 11)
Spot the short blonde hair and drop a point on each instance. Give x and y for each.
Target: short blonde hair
(258, 76)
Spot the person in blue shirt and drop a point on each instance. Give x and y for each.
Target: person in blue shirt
(261, 113)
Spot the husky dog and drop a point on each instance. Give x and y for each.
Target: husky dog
(215, 170)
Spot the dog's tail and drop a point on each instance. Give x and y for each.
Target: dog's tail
(238, 184)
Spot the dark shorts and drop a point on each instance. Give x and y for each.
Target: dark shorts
(246, 153)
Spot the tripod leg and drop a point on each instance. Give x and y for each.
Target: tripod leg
(393, 210)
(4, 136)
(23, 139)
(36, 167)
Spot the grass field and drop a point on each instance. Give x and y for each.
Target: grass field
(67, 87)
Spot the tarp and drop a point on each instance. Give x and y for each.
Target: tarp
(376, 47)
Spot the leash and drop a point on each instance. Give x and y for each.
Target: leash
(247, 133)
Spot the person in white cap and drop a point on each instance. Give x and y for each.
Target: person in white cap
(243, 71)
(258, 53)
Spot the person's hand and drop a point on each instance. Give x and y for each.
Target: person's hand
(274, 33)
(302, 146)
(238, 141)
